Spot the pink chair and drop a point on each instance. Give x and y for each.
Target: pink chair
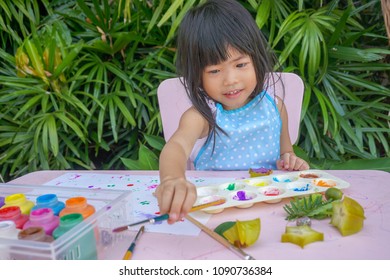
(173, 102)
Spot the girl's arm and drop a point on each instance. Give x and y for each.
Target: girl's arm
(175, 194)
(288, 160)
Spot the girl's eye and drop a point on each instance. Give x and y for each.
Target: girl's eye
(215, 71)
(241, 65)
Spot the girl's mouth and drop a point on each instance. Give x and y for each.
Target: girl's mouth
(232, 94)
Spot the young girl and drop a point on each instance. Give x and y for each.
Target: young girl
(223, 59)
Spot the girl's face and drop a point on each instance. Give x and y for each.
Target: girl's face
(230, 82)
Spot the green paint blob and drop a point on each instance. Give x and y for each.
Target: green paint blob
(231, 187)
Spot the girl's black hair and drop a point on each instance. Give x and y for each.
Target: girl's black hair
(205, 34)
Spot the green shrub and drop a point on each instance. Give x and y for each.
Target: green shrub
(78, 80)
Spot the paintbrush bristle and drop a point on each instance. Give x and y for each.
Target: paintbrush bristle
(119, 229)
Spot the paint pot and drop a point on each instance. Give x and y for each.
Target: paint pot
(29, 247)
(35, 233)
(19, 199)
(49, 201)
(43, 217)
(82, 245)
(13, 213)
(8, 230)
(77, 204)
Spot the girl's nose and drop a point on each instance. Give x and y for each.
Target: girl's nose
(230, 78)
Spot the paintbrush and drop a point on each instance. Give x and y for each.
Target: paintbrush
(166, 216)
(220, 239)
(130, 250)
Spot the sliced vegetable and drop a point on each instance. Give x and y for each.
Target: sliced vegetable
(240, 233)
(301, 235)
(348, 216)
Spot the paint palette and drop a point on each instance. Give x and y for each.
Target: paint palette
(270, 189)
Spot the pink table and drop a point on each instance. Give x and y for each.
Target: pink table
(370, 188)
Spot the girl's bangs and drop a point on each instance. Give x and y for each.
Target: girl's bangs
(215, 42)
(212, 52)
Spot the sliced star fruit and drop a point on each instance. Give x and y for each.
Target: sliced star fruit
(301, 235)
(347, 216)
(240, 233)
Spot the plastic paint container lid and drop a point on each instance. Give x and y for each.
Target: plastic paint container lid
(67, 222)
(19, 199)
(43, 217)
(49, 201)
(77, 204)
(13, 213)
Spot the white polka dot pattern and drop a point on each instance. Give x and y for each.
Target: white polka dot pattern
(253, 139)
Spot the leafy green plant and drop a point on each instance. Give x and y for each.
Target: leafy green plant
(345, 110)
(312, 206)
(78, 80)
(42, 108)
(84, 95)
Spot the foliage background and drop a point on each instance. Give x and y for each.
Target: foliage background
(78, 80)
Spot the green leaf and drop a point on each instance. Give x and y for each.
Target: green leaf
(340, 27)
(147, 160)
(311, 133)
(177, 21)
(170, 12)
(89, 13)
(363, 164)
(313, 206)
(263, 13)
(36, 60)
(156, 15)
(125, 112)
(28, 106)
(321, 100)
(156, 142)
(52, 134)
(72, 124)
(353, 54)
(112, 114)
(68, 59)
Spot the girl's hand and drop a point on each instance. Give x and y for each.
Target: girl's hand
(176, 197)
(289, 161)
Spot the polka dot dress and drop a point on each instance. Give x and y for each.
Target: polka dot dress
(252, 140)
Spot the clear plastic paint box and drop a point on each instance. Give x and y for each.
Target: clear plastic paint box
(113, 209)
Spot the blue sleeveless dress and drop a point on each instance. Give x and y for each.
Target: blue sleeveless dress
(252, 140)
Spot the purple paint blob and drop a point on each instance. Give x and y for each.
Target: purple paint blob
(241, 195)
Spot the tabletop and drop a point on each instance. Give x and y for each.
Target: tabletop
(370, 188)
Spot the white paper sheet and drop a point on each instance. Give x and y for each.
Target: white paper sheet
(143, 202)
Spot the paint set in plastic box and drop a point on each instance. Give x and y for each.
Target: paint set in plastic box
(272, 188)
(90, 239)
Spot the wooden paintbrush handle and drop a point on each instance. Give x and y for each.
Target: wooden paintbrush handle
(209, 204)
(220, 239)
